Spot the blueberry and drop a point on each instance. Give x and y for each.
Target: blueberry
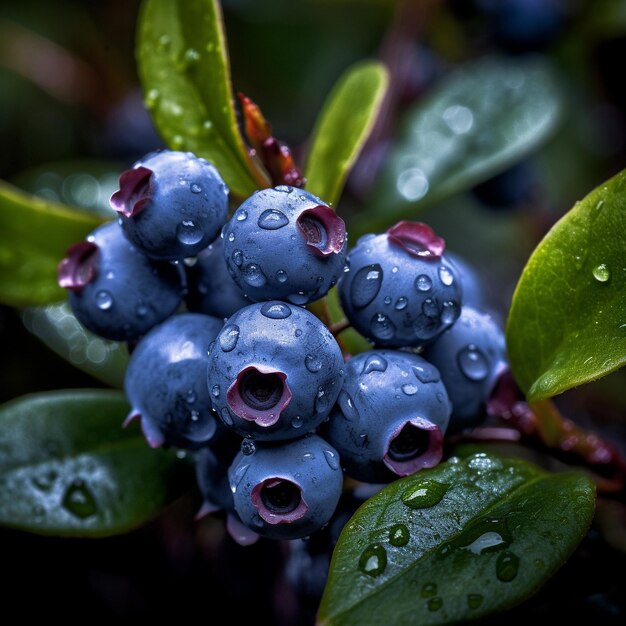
(275, 371)
(171, 204)
(400, 290)
(390, 417)
(115, 291)
(285, 243)
(211, 288)
(470, 357)
(166, 381)
(473, 290)
(288, 490)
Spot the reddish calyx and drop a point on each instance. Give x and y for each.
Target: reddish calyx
(79, 267)
(415, 444)
(323, 230)
(418, 239)
(134, 192)
(279, 501)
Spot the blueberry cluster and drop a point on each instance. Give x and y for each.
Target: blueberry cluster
(228, 362)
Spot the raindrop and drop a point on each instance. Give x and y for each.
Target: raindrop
(423, 283)
(46, 481)
(248, 447)
(474, 600)
(231, 237)
(332, 459)
(409, 389)
(226, 417)
(191, 56)
(401, 303)
(313, 363)
(399, 535)
(387, 300)
(507, 566)
(238, 258)
(473, 363)
(254, 276)
(298, 332)
(228, 337)
(450, 312)
(434, 604)
(242, 215)
(215, 391)
(430, 308)
(195, 188)
(191, 397)
(601, 272)
(428, 590)
(482, 462)
(297, 421)
(487, 542)
(276, 310)
(373, 560)
(188, 233)
(346, 404)
(104, 300)
(382, 327)
(426, 373)
(445, 275)
(281, 276)
(424, 494)
(366, 285)
(272, 219)
(374, 363)
(79, 500)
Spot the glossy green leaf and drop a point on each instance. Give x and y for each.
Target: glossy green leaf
(34, 234)
(68, 468)
(343, 127)
(567, 323)
(58, 328)
(477, 122)
(466, 539)
(184, 69)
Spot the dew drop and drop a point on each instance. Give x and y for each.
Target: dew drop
(409, 389)
(399, 535)
(426, 373)
(215, 391)
(507, 566)
(228, 337)
(79, 500)
(276, 310)
(281, 276)
(601, 272)
(254, 276)
(424, 494)
(473, 363)
(428, 590)
(401, 303)
(346, 404)
(188, 233)
(332, 459)
(366, 285)
(484, 463)
(298, 332)
(191, 397)
(45, 482)
(195, 188)
(313, 363)
(434, 604)
(450, 312)
(231, 236)
(241, 215)
(238, 258)
(373, 560)
(382, 327)
(248, 447)
(374, 363)
(387, 300)
(430, 308)
(474, 600)
(272, 219)
(445, 275)
(423, 283)
(297, 422)
(487, 542)
(104, 300)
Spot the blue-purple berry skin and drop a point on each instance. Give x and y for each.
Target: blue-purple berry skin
(172, 204)
(166, 379)
(128, 293)
(285, 243)
(309, 468)
(385, 392)
(396, 299)
(211, 290)
(470, 357)
(473, 289)
(275, 371)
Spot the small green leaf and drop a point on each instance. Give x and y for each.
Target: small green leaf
(343, 126)
(58, 328)
(476, 123)
(466, 539)
(567, 323)
(34, 235)
(184, 69)
(68, 468)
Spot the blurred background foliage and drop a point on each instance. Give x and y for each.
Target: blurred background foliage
(72, 117)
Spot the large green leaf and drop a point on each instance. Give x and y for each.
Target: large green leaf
(343, 126)
(58, 328)
(477, 122)
(463, 540)
(184, 70)
(567, 323)
(34, 234)
(68, 468)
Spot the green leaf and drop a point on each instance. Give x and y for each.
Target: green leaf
(68, 468)
(477, 122)
(343, 127)
(466, 539)
(34, 234)
(58, 328)
(567, 323)
(184, 69)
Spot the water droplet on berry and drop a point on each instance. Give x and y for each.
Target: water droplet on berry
(281, 276)
(104, 300)
(254, 276)
(373, 560)
(346, 404)
(507, 566)
(430, 308)
(297, 421)
(313, 363)
(424, 494)
(423, 283)
(332, 459)
(474, 600)
(473, 363)
(195, 188)
(387, 300)
(450, 312)
(188, 233)
(374, 363)
(399, 535)
(228, 337)
(242, 215)
(215, 391)
(426, 373)
(276, 310)
(238, 258)
(601, 273)
(409, 389)
(366, 285)
(272, 219)
(248, 447)
(298, 332)
(401, 303)
(79, 500)
(231, 236)
(191, 397)
(382, 327)
(445, 275)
